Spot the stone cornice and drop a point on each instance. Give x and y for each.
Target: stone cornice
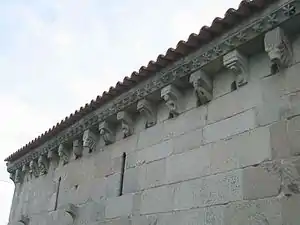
(256, 26)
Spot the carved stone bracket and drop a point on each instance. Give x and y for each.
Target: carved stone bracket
(171, 96)
(52, 155)
(12, 176)
(107, 132)
(127, 124)
(146, 108)
(278, 48)
(18, 176)
(89, 140)
(77, 149)
(33, 169)
(63, 154)
(43, 165)
(238, 64)
(203, 87)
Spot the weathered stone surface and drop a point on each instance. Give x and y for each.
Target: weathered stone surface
(188, 165)
(226, 187)
(203, 216)
(188, 121)
(119, 206)
(231, 126)
(262, 212)
(131, 180)
(152, 174)
(235, 102)
(113, 185)
(90, 212)
(157, 200)
(187, 141)
(155, 152)
(285, 138)
(240, 151)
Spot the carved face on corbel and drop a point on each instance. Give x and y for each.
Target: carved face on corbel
(89, 140)
(18, 176)
(63, 154)
(77, 149)
(107, 132)
(33, 168)
(43, 165)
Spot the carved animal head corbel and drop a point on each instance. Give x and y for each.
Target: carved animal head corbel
(278, 48)
(89, 141)
(203, 87)
(18, 176)
(126, 122)
(33, 169)
(171, 96)
(43, 165)
(238, 64)
(77, 148)
(107, 132)
(63, 154)
(146, 108)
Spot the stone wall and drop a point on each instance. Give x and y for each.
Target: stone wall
(234, 160)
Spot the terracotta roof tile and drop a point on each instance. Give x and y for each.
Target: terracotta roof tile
(206, 34)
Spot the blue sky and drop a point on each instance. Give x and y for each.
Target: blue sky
(57, 55)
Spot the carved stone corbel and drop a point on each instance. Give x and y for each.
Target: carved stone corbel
(89, 141)
(63, 154)
(33, 169)
(278, 48)
(146, 108)
(53, 156)
(203, 87)
(171, 96)
(18, 176)
(238, 64)
(77, 149)
(25, 170)
(43, 165)
(127, 124)
(107, 132)
(12, 176)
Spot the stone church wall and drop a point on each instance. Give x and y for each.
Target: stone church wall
(232, 161)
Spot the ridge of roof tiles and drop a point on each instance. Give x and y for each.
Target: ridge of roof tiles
(206, 34)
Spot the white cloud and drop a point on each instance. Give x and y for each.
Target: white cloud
(57, 55)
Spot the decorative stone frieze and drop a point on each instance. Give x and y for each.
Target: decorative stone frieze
(238, 64)
(77, 148)
(63, 154)
(278, 48)
(147, 109)
(107, 132)
(203, 87)
(33, 169)
(89, 141)
(171, 95)
(268, 20)
(43, 165)
(126, 123)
